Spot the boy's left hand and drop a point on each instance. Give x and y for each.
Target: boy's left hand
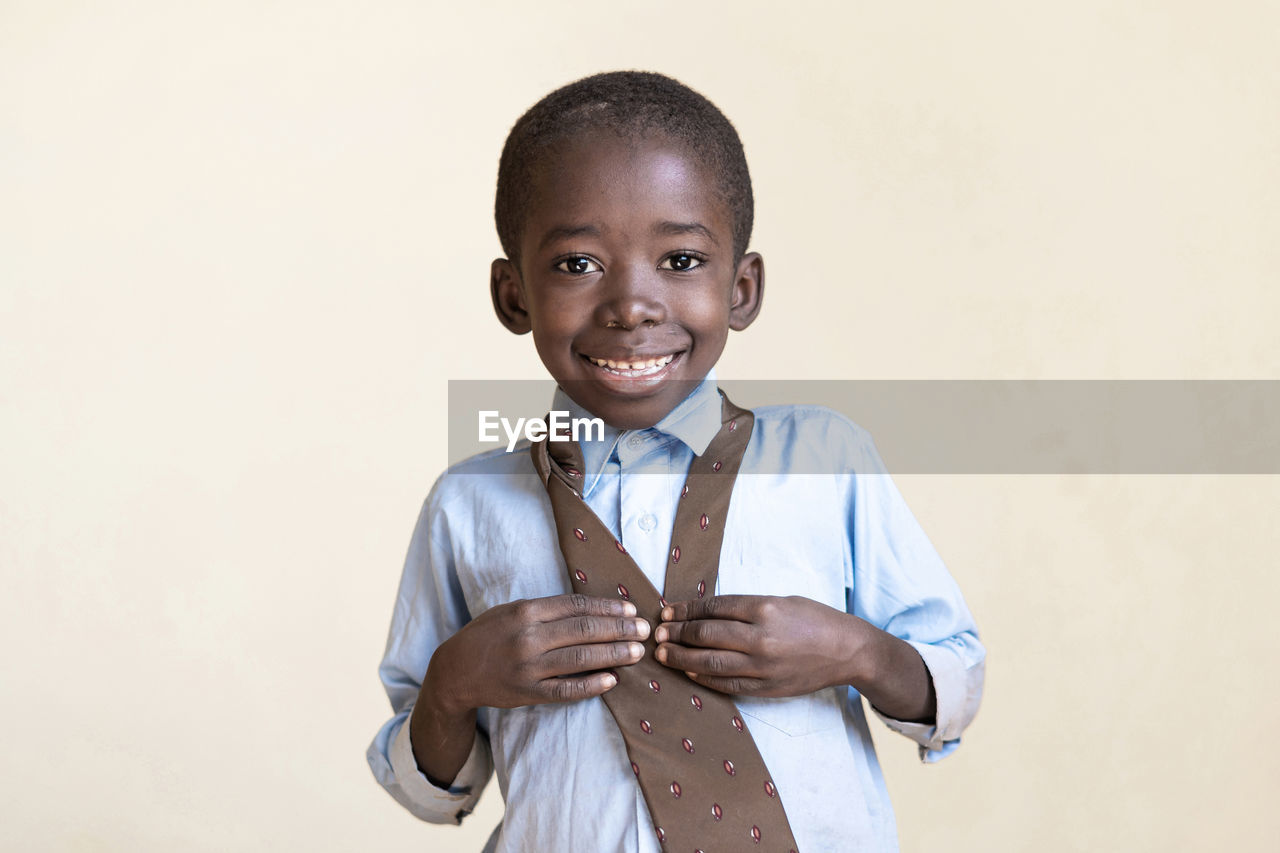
(759, 645)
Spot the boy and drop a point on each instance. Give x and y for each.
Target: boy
(624, 207)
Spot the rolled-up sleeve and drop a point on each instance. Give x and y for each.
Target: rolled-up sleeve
(429, 609)
(898, 583)
(957, 683)
(391, 759)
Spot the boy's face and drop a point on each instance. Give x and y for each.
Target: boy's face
(627, 278)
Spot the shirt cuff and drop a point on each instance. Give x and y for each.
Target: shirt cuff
(430, 802)
(957, 690)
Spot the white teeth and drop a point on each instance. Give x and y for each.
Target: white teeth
(647, 365)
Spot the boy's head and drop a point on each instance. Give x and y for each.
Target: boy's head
(634, 105)
(624, 206)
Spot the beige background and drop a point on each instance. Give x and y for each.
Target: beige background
(244, 245)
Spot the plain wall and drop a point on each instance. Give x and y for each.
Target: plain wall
(243, 246)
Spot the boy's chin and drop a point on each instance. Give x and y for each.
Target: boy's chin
(630, 408)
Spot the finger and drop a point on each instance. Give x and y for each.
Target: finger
(737, 686)
(583, 658)
(710, 633)
(584, 630)
(742, 608)
(576, 688)
(717, 662)
(576, 604)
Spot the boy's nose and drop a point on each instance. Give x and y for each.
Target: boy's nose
(633, 301)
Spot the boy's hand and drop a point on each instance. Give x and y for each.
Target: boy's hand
(520, 653)
(758, 645)
(536, 650)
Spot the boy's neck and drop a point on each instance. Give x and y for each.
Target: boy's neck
(695, 420)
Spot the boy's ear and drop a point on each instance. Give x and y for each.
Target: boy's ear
(748, 291)
(508, 296)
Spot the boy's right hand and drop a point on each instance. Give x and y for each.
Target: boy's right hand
(534, 651)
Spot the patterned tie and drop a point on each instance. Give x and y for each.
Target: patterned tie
(702, 777)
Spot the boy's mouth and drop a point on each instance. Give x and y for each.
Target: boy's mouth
(633, 368)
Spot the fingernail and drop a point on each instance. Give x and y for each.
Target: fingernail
(610, 681)
(628, 609)
(661, 654)
(642, 628)
(660, 635)
(691, 674)
(667, 614)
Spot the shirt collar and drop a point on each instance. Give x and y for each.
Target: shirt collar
(695, 421)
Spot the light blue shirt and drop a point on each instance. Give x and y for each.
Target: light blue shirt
(486, 536)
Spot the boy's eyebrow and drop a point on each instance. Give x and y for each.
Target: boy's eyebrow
(676, 228)
(561, 232)
(667, 227)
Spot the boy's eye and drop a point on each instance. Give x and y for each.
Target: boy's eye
(680, 262)
(578, 265)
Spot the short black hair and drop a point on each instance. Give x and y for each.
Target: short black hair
(631, 104)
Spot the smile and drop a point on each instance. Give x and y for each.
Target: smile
(633, 368)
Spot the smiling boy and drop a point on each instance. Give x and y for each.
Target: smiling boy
(624, 208)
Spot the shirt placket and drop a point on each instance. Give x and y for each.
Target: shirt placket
(648, 483)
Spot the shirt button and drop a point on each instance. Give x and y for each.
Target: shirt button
(648, 522)
(636, 440)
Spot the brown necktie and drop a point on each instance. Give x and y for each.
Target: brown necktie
(702, 777)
